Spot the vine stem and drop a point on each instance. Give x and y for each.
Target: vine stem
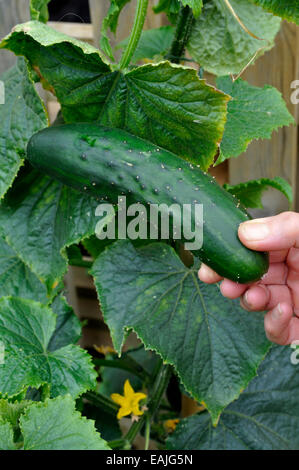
(182, 35)
(127, 364)
(139, 20)
(159, 386)
(101, 401)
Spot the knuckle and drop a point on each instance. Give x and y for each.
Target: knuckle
(291, 218)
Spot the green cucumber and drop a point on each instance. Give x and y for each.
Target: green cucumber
(107, 163)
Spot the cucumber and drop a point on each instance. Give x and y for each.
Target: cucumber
(107, 163)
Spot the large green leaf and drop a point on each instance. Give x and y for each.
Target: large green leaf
(68, 327)
(253, 113)
(250, 193)
(39, 10)
(265, 417)
(287, 9)
(56, 425)
(219, 43)
(164, 103)
(21, 115)
(214, 345)
(39, 218)
(153, 43)
(110, 22)
(16, 279)
(6, 437)
(26, 328)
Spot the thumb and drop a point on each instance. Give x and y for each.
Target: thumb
(271, 233)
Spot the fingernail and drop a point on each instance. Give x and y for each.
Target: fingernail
(277, 312)
(245, 300)
(254, 230)
(205, 272)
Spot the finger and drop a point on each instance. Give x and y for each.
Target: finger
(231, 289)
(277, 274)
(278, 294)
(280, 326)
(256, 298)
(261, 297)
(278, 256)
(280, 232)
(207, 275)
(293, 277)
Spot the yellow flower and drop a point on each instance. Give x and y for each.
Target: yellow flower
(129, 403)
(171, 424)
(103, 349)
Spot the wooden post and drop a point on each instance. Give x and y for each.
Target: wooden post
(278, 156)
(12, 12)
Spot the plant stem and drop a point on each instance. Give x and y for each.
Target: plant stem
(140, 16)
(81, 263)
(182, 35)
(159, 386)
(124, 364)
(147, 432)
(101, 401)
(120, 444)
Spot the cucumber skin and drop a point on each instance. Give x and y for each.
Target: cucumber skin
(107, 163)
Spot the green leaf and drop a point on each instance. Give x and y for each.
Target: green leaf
(68, 327)
(195, 5)
(39, 10)
(94, 246)
(253, 113)
(11, 412)
(250, 193)
(28, 38)
(219, 43)
(288, 9)
(16, 279)
(265, 417)
(170, 7)
(39, 218)
(164, 103)
(56, 425)
(6, 437)
(153, 43)
(214, 345)
(106, 424)
(76, 257)
(26, 328)
(21, 115)
(110, 22)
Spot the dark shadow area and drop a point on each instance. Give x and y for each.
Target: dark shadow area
(76, 11)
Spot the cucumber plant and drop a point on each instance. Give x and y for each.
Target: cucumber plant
(148, 126)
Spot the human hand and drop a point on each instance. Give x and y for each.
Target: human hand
(278, 290)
